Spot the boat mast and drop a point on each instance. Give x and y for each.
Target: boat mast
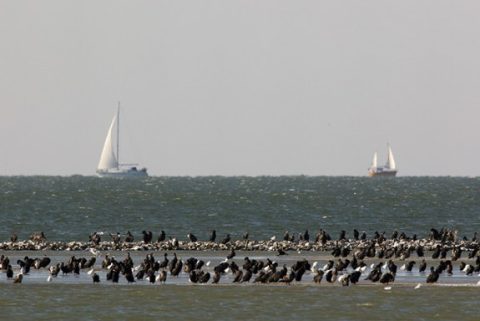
(118, 136)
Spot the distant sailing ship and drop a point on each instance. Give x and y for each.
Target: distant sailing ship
(109, 164)
(390, 168)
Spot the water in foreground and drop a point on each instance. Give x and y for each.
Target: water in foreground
(72, 208)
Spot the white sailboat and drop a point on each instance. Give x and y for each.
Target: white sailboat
(389, 169)
(109, 164)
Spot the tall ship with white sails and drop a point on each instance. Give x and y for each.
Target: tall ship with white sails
(109, 164)
(389, 169)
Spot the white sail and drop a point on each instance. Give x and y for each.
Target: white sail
(108, 159)
(374, 161)
(390, 160)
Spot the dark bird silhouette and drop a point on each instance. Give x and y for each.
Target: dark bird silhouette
(41, 263)
(173, 262)
(129, 276)
(216, 278)
(422, 267)
(95, 278)
(164, 263)
(9, 272)
(213, 236)
(162, 236)
(231, 255)
(147, 236)
(191, 237)
(129, 238)
(13, 238)
(306, 236)
(204, 278)
(331, 275)
(247, 276)
(433, 276)
(387, 277)
(226, 239)
(355, 277)
(178, 268)
(356, 234)
(238, 276)
(409, 266)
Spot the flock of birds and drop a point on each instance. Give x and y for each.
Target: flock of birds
(347, 266)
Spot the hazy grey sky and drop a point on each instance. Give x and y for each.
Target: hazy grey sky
(241, 87)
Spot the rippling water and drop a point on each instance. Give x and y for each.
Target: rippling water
(88, 302)
(70, 208)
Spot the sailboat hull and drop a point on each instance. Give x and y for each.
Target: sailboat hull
(380, 172)
(123, 173)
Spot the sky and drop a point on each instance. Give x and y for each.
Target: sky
(241, 87)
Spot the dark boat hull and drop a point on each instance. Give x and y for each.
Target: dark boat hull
(385, 173)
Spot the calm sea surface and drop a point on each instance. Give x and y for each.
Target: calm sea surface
(70, 208)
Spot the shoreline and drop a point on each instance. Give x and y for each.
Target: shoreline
(240, 245)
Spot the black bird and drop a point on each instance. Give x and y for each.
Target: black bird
(151, 276)
(342, 236)
(355, 276)
(25, 266)
(41, 263)
(213, 236)
(375, 274)
(355, 235)
(95, 278)
(147, 236)
(216, 278)
(409, 266)
(247, 276)
(436, 252)
(306, 236)
(164, 263)
(423, 266)
(420, 252)
(331, 275)
(226, 239)
(245, 236)
(231, 255)
(129, 238)
(9, 272)
(433, 276)
(281, 252)
(13, 238)
(129, 276)
(286, 236)
(177, 269)
(161, 237)
(238, 276)
(387, 277)
(192, 237)
(173, 263)
(204, 278)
